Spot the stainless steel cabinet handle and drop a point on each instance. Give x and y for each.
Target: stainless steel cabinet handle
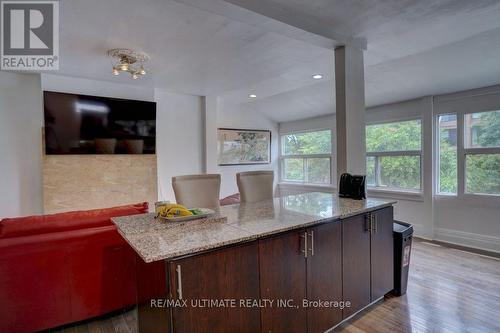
(368, 222)
(312, 242)
(375, 226)
(179, 281)
(305, 244)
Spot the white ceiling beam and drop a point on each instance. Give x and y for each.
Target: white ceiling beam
(269, 18)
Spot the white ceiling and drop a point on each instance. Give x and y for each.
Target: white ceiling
(211, 47)
(192, 51)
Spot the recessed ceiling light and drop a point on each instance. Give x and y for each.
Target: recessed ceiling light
(252, 96)
(317, 76)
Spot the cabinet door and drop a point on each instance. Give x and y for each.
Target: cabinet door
(324, 275)
(356, 263)
(152, 285)
(382, 253)
(230, 273)
(283, 277)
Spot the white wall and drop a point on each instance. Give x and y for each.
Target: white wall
(72, 85)
(239, 116)
(315, 123)
(21, 112)
(180, 135)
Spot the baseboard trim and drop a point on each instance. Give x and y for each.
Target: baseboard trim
(468, 239)
(422, 231)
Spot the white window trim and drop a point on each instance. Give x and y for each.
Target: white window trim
(392, 192)
(462, 153)
(437, 164)
(282, 158)
(380, 192)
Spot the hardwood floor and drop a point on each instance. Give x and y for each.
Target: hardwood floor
(449, 290)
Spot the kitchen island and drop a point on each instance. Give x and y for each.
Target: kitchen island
(297, 263)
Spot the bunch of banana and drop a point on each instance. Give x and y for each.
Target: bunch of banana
(172, 210)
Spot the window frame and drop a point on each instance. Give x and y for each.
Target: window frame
(398, 153)
(437, 164)
(462, 153)
(304, 157)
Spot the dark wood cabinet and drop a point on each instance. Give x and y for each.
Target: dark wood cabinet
(283, 277)
(356, 262)
(349, 259)
(302, 265)
(324, 275)
(368, 260)
(151, 286)
(229, 273)
(382, 253)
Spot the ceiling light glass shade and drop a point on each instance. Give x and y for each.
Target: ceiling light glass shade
(252, 96)
(130, 61)
(317, 76)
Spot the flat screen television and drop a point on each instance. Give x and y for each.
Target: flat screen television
(80, 124)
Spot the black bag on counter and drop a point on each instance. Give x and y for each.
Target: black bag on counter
(352, 186)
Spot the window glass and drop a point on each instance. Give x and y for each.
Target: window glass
(483, 173)
(370, 170)
(400, 172)
(447, 125)
(306, 157)
(318, 170)
(293, 169)
(309, 143)
(393, 155)
(397, 136)
(482, 129)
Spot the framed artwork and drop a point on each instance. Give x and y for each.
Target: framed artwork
(243, 146)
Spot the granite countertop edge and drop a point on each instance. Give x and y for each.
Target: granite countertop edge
(250, 237)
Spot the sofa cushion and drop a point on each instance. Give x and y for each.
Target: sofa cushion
(41, 224)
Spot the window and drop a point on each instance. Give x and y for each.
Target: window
(477, 168)
(394, 154)
(306, 157)
(447, 150)
(482, 152)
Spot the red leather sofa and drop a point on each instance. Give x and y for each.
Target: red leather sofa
(63, 268)
(230, 200)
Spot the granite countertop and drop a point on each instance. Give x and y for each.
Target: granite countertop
(156, 239)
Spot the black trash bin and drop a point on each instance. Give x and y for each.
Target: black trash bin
(403, 233)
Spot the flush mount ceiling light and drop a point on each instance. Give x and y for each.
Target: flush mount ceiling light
(252, 96)
(317, 76)
(130, 61)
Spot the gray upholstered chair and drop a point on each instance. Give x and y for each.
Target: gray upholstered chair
(255, 185)
(197, 190)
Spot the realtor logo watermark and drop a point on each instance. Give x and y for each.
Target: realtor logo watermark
(30, 35)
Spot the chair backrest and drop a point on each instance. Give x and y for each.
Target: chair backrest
(255, 185)
(201, 191)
